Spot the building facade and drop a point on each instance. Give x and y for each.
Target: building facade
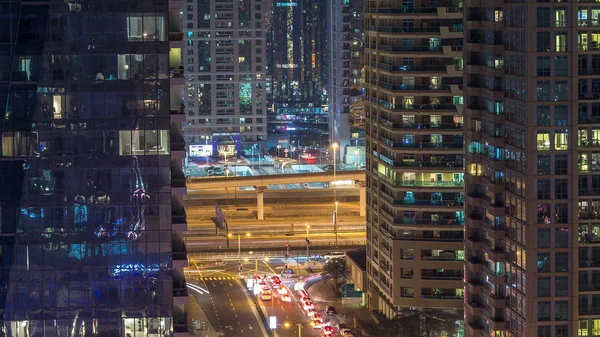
(414, 159)
(226, 67)
(346, 101)
(89, 147)
(531, 170)
(299, 67)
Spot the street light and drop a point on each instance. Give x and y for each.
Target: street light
(278, 148)
(239, 247)
(287, 325)
(307, 243)
(335, 195)
(356, 151)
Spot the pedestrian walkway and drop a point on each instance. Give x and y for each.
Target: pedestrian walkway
(198, 323)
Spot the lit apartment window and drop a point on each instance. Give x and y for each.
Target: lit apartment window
(143, 142)
(146, 27)
(543, 140)
(561, 140)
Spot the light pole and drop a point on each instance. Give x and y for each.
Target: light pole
(356, 153)
(239, 247)
(278, 148)
(335, 195)
(287, 325)
(307, 243)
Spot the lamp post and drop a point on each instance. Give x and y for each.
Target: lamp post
(278, 148)
(287, 325)
(307, 243)
(239, 247)
(335, 195)
(356, 153)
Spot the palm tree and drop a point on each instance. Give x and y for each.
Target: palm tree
(336, 269)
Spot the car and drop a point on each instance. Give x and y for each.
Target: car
(345, 332)
(286, 298)
(330, 310)
(302, 293)
(282, 291)
(317, 323)
(328, 331)
(266, 297)
(318, 316)
(275, 277)
(310, 312)
(277, 284)
(308, 305)
(262, 283)
(305, 299)
(266, 288)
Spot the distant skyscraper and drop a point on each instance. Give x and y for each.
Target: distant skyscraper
(346, 99)
(89, 148)
(414, 149)
(300, 62)
(225, 64)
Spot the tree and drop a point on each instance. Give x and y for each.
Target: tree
(336, 269)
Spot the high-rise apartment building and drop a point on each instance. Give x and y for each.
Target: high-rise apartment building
(346, 99)
(299, 64)
(225, 70)
(414, 158)
(532, 101)
(90, 171)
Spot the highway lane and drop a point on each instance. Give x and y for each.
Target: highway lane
(262, 229)
(276, 240)
(227, 308)
(251, 194)
(284, 311)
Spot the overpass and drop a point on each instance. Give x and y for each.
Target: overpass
(261, 183)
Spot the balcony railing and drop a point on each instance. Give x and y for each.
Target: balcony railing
(408, 10)
(442, 297)
(440, 258)
(417, 68)
(419, 183)
(433, 164)
(422, 145)
(418, 49)
(411, 87)
(421, 126)
(435, 277)
(392, 29)
(427, 202)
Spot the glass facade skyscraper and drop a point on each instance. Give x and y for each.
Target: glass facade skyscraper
(89, 146)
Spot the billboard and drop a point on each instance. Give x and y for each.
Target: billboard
(200, 150)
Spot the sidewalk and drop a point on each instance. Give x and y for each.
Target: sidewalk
(202, 328)
(358, 319)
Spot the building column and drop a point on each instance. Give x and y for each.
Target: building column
(362, 188)
(260, 202)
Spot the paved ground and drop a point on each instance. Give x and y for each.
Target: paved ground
(226, 307)
(357, 319)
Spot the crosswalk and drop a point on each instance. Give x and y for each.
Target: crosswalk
(218, 278)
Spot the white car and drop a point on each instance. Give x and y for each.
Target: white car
(282, 291)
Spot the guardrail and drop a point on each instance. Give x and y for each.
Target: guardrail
(313, 230)
(295, 251)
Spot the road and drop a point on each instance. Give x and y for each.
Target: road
(227, 306)
(319, 239)
(285, 312)
(291, 193)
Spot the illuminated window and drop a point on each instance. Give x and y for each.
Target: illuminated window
(543, 140)
(583, 329)
(474, 169)
(596, 327)
(146, 27)
(144, 142)
(560, 41)
(561, 140)
(560, 16)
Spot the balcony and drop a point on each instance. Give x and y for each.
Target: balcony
(180, 323)
(473, 221)
(406, 49)
(405, 10)
(414, 222)
(474, 264)
(180, 258)
(423, 203)
(421, 145)
(442, 88)
(423, 164)
(474, 309)
(180, 293)
(178, 218)
(419, 183)
(474, 330)
(442, 277)
(410, 68)
(474, 286)
(430, 127)
(404, 30)
(425, 107)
